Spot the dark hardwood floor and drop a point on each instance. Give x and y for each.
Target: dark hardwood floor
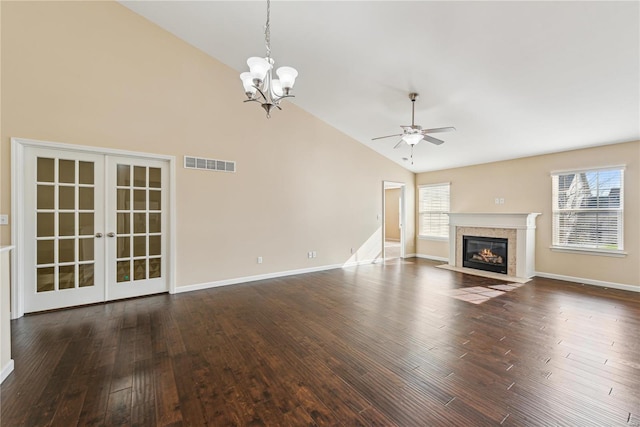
(377, 345)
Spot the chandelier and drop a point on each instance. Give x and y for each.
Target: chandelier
(259, 84)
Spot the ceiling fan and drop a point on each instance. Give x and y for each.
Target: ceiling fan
(413, 134)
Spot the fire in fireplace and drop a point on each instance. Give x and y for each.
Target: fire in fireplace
(485, 253)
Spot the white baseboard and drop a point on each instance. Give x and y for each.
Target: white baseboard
(432, 257)
(236, 280)
(584, 281)
(6, 370)
(246, 279)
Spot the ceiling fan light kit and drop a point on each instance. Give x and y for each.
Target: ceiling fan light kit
(259, 84)
(413, 134)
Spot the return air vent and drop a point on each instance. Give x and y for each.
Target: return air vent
(209, 164)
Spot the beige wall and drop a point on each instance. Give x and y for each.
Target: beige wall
(392, 214)
(525, 185)
(95, 73)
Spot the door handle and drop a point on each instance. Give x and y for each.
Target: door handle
(111, 234)
(98, 235)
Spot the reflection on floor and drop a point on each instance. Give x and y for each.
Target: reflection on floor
(391, 249)
(480, 294)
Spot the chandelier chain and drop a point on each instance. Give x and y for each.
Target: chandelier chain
(267, 30)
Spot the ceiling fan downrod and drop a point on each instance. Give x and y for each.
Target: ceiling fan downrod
(413, 96)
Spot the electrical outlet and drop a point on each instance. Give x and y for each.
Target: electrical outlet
(4, 219)
(259, 260)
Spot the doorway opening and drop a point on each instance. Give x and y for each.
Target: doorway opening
(393, 215)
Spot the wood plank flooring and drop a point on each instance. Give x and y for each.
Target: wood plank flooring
(375, 345)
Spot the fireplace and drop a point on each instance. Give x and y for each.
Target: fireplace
(485, 253)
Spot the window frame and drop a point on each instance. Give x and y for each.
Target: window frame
(421, 211)
(585, 247)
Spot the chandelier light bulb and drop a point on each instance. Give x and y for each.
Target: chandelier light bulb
(287, 76)
(247, 82)
(258, 67)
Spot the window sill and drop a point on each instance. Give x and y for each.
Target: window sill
(587, 251)
(434, 238)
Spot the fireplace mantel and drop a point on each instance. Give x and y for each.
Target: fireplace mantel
(523, 224)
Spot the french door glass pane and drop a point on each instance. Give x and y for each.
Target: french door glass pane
(45, 224)
(45, 197)
(85, 275)
(66, 250)
(46, 170)
(66, 197)
(66, 277)
(85, 223)
(154, 268)
(85, 194)
(124, 178)
(45, 279)
(139, 176)
(86, 172)
(67, 171)
(155, 177)
(123, 226)
(123, 271)
(85, 249)
(45, 252)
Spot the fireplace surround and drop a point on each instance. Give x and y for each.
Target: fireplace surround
(518, 228)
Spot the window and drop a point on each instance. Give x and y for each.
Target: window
(588, 209)
(433, 206)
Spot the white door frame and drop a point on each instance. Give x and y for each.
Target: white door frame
(403, 214)
(18, 146)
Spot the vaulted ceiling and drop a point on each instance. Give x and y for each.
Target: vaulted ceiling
(515, 78)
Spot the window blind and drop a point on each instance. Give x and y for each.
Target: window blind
(588, 209)
(433, 206)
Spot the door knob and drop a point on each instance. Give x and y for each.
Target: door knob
(111, 234)
(98, 235)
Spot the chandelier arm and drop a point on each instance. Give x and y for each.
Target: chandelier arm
(261, 93)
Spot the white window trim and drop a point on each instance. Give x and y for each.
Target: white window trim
(617, 253)
(589, 251)
(420, 212)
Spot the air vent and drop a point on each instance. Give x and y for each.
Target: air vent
(209, 164)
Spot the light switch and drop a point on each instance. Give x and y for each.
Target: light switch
(4, 219)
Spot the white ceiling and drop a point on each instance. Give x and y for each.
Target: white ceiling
(515, 78)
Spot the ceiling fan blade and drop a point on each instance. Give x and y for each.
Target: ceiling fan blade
(433, 140)
(438, 130)
(399, 143)
(388, 136)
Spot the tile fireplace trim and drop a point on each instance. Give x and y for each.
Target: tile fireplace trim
(518, 228)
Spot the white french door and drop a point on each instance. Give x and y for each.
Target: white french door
(94, 228)
(136, 219)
